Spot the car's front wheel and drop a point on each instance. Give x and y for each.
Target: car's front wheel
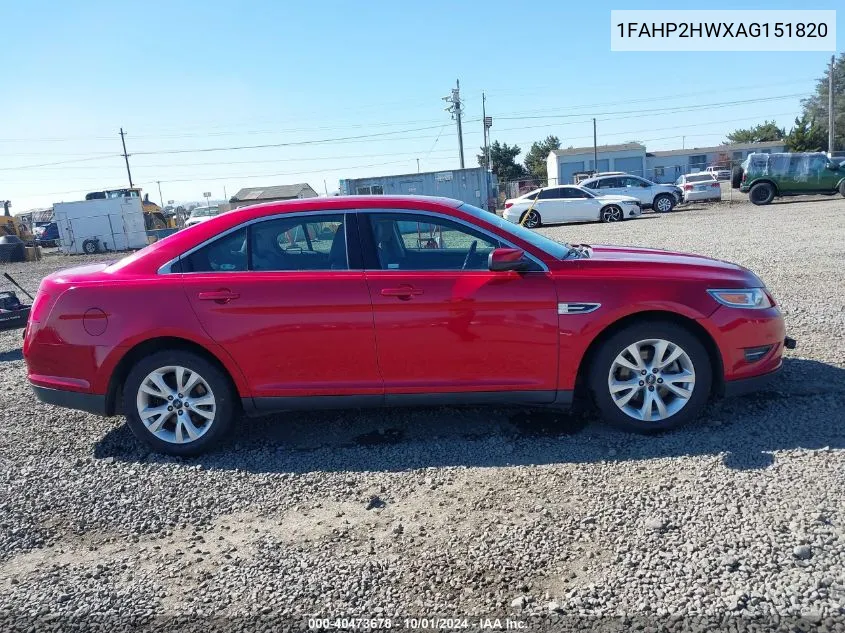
(611, 213)
(651, 377)
(663, 203)
(178, 402)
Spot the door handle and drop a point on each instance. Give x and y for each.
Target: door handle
(220, 296)
(402, 292)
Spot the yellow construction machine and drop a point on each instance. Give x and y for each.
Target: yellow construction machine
(12, 225)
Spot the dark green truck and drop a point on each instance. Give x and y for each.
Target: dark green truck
(767, 176)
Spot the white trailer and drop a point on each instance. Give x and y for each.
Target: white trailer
(91, 226)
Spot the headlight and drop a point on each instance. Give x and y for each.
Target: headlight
(753, 298)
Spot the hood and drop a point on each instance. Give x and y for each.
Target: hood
(669, 264)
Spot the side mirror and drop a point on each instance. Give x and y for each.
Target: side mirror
(502, 259)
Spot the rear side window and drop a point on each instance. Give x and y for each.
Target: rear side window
(225, 254)
(299, 243)
(550, 194)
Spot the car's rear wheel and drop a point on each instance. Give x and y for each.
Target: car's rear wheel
(736, 177)
(663, 203)
(761, 193)
(611, 213)
(651, 377)
(532, 220)
(178, 402)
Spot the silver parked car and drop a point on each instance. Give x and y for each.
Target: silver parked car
(700, 187)
(651, 195)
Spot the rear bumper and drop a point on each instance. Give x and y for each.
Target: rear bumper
(88, 402)
(750, 385)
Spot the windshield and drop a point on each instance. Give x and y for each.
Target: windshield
(555, 249)
(699, 177)
(201, 212)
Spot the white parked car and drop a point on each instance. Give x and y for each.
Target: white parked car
(201, 214)
(569, 203)
(651, 195)
(699, 187)
(719, 173)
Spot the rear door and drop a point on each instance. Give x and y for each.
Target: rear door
(446, 324)
(579, 205)
(550, 205)
(286, 297)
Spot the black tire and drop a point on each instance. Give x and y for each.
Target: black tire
(533, 221)
(659, 202)
(89, 246)
(221, 389)
(736, 177)
(611, 213)
(761, 194)
(602, 363)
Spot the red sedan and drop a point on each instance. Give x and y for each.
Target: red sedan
(366, 301)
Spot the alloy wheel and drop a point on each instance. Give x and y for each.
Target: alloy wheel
(664, 204)
(651, 380)
(176, 404)
(532, 221)
(612, 214)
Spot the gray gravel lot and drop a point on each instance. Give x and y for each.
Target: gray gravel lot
(554, 520)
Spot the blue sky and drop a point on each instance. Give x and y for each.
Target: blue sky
(183, 76)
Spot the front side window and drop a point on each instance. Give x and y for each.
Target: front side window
(299, 243)
(407, 241)
(225, 254)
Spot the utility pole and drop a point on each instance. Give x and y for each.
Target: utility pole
(158, 182)
(456, 108)
(126, 156)
(225, 195)
(487, 123)
(418, 165)
(830, 117)
(683, 142)
(595, 148)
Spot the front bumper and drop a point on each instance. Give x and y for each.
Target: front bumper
(750, 385)
(88, 402)
(743, 386)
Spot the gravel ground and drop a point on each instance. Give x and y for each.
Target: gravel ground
(554, 521)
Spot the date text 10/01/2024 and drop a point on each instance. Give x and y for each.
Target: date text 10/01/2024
(446, 624)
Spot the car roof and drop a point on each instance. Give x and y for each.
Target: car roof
(197, 233)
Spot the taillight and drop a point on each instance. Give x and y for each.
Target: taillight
(687, 187)
(716, 184)
(40, 307)
(508, 205)
(744, 175)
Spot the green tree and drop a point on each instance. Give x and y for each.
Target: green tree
(765, 131)
(503, 161)
(815, 106)
(806, 136)
(535, 160)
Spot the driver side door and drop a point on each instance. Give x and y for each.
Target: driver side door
(447, 325)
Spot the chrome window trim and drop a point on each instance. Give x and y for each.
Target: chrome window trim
(166, 268)
(475, 227)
